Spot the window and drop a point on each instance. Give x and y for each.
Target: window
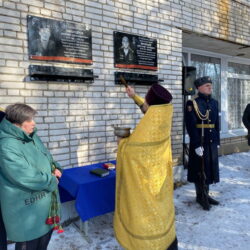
(231, 85)
(185, 59)
(238, 68)
(208, 66)
(238, 93)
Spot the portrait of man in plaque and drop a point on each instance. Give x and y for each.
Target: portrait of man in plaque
(43, 45)
(126, 54)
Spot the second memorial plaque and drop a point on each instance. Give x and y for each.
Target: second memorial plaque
(132, 51)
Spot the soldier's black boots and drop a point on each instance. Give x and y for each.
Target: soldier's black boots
(212, 201)
(203, 201)
(203, 198)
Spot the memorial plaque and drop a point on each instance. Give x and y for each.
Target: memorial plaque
(136, 78)
(52, 73)
(53, 40)
(137, 52)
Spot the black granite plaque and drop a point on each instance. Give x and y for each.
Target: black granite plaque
(137, 52)
(136, 78)
(51, 73)
(53, 40)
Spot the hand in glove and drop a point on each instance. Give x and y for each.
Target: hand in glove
(199, 151)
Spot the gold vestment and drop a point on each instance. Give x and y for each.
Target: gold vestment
(144, 215)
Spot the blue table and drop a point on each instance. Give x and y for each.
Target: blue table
(93, 195)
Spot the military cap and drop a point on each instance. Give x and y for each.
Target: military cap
(202, 80)
(158, 95)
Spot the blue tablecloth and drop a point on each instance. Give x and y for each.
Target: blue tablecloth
(93, 195)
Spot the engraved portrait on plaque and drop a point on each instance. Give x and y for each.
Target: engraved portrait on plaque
(126, 53)
(132, 51)
(53, 40)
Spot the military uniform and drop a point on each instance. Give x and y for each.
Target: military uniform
(202, 113)
(246, 120)
(126, 58)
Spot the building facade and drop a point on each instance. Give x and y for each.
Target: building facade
(76, 120)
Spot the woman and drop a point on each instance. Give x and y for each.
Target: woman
(28, 181)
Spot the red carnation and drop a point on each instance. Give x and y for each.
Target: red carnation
(56, 227)
(60, 230)
(57, 219)
(50, 221)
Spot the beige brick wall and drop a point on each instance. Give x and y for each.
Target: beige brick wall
(75, 120)
(224, 19)
(233, 145)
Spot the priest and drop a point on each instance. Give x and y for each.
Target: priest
(144, 214)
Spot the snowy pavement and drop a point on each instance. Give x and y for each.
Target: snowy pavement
(224, 227)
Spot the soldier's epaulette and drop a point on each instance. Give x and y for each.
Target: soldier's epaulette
(190, 101)
(194, 97)
(2, 110)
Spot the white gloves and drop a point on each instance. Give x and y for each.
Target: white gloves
(199, 151)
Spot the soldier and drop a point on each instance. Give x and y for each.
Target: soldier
(202, 123)
(246, 120)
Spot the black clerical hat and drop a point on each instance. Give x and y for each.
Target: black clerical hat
(158, 95)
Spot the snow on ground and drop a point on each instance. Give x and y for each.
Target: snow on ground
(224, 227)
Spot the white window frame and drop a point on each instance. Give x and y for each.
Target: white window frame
(225, 59)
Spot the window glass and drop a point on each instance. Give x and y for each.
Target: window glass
(184, 59)
(238, 68)
(238, 98)
(208, 66)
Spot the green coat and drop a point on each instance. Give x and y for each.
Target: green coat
(26, 183)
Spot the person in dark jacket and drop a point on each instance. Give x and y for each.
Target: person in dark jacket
(126, 54)
(202, 118)
(246, 120)
(2, 114)
(28, 181)
(3, 237)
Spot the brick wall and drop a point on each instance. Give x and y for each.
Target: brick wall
(75, 120)
(224, 19)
